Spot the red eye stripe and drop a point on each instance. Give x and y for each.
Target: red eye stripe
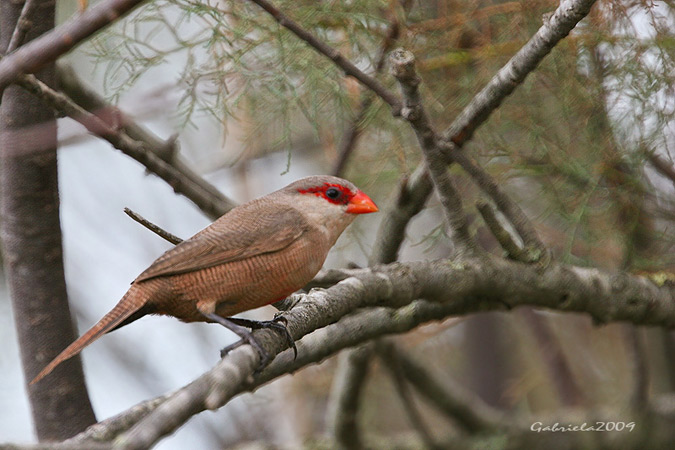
(320, 191)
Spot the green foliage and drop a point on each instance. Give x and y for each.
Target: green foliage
(571, 142)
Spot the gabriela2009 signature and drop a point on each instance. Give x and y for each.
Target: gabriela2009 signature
(539, 427)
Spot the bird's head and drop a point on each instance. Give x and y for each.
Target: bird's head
(329, 200)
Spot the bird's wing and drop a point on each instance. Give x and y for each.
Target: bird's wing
(238, 235)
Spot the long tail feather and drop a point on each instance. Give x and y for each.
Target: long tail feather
(128, 305)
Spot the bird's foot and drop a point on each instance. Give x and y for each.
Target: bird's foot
(245, 335)
(269, 324)
(225, 350)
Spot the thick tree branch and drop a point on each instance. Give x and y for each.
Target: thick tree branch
(346, 393)
(31, 239)
(30, 57)
(389, 354)
(451, 287)
(465, 407)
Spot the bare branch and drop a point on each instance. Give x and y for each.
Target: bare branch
(34, 55)
(534, 248)
(107, 430)
(73, 87)
(403, 68)
(503, 236)
(418, 186)
(183, 182)
(407, 202)
(460, 287)
(349, 68)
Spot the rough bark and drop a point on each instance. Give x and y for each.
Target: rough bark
(31, 239)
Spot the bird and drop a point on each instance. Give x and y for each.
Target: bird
(256, 254)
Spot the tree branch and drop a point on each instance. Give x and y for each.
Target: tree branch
(34, 55)
(22, 26)
(345, 396)
(349, 68)
(534, 248)
(349, 138)
(465, 407)
(403, 68)
(418, 187)
(514, 72)
(159, 231)
(503, 236)
(453, 287)
(182, 181)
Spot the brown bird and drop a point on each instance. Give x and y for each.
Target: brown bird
(256, 254)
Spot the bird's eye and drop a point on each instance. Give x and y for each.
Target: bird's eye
(332, 193)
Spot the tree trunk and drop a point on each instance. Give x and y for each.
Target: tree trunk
(30, 232)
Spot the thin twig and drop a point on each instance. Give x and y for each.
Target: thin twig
(513, 213)
(348, 67)
(185, 183)
(23, 24)
(403, 68)
(159, 231)
(503, 236)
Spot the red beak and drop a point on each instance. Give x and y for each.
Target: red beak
(361, 204)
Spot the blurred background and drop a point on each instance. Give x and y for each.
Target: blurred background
(580, 145)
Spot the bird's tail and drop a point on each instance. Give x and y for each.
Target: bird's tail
(127, 306)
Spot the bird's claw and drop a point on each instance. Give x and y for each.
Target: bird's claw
(274, 324)
(256, 325)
